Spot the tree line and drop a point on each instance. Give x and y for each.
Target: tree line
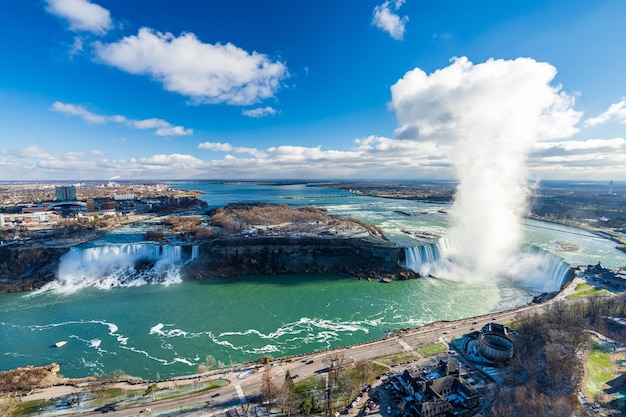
(544, 375)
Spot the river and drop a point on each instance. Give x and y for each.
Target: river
(159, 331)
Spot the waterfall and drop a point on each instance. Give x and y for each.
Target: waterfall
(417, 256)
(421, 259)
(534, 267)
(127, 265)
(540, 270)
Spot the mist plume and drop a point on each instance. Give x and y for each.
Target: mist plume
(486, 116)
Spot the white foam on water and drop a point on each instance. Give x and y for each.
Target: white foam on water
(119, 265)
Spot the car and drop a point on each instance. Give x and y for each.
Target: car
(388, 409)
(146, 410)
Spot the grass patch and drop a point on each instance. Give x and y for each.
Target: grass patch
(190, 389)
(590, 292)
(378, 369)
(599, 369)
(29, 407)
(431, 350)
(307, 385)
(396, 359)
(582, 286)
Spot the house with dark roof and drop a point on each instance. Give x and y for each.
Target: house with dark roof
(438, 391)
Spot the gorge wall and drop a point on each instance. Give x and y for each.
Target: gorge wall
(360, 258)
(27, 268)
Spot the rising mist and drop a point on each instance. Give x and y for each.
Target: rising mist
(486, 118)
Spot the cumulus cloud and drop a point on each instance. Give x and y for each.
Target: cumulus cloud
(207, 73)
(161, 127)
(592, 158)
(82, 15)
(615, 111)
(384, 18)
(259, 112)
(489, 115)
(216, 146)
(29, 152)
(572, 147)
(370, 157)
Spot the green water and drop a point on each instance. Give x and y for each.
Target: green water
(156, 330)
(167, 330)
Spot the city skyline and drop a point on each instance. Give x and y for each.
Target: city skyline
(105, 89)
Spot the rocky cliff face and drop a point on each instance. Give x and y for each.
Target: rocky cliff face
(360, 258)
(24, 269)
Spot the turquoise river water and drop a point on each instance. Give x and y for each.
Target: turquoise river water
(165, 330)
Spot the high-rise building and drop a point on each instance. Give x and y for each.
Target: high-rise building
(65, 193)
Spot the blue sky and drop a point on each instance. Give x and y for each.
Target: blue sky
(155, 89)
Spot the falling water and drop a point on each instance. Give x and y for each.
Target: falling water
(533, 268)
(126, 265)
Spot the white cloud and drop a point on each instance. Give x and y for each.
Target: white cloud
(162, 127)
(615, 111)
(216, 146)
(7, 163)
(591, 159)
(385, 19)
(251, 151)
(259, 112)
(207, 73)
(79, 111)
(495, 100)
(371, 157)
(29, 152)
(82, 15)
(567, 148)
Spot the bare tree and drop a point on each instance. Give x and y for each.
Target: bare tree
(335, 362)
(268, 389)
(366, 371)
(287, 396)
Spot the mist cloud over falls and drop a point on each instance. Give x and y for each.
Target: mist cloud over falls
(486, 116)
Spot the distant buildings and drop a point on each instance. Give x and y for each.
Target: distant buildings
(32, 219)
(65, 193)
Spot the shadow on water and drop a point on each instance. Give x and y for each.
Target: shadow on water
(282, 279)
